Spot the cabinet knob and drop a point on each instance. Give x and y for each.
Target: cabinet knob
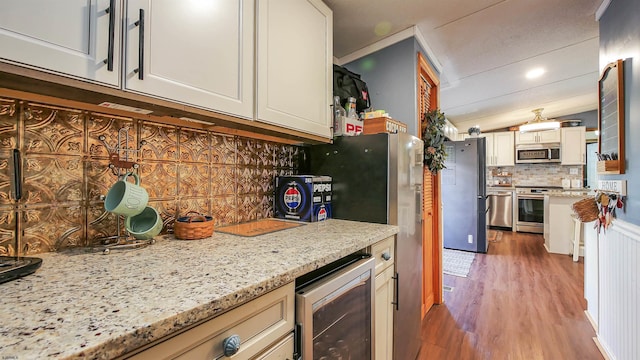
(231, 345)
(386, 256)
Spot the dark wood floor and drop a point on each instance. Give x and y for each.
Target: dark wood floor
(518, 302)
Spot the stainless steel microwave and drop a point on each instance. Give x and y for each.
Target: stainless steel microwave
(541, 153)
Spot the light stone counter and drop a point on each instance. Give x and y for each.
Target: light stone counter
(82, 305)
(575, 193)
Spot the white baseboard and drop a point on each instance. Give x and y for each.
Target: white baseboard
(593, 323)
(602, 349)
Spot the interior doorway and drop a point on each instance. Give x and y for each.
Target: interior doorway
(428, 99)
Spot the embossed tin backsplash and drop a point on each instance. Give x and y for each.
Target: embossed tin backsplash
(66, 170)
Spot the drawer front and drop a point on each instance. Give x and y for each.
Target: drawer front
(283, 350)
(258, 323)
(381, 250)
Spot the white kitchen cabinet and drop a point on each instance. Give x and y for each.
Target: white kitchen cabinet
(538, 137)
(78, 38)
(383, 251)
(198, 53)
(294, 62)
(558, 225)
(500, 148)
(195, 52)
(259, 325)
(573, 145)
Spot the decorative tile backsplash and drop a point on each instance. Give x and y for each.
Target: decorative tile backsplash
(66, 171)
(536, 174)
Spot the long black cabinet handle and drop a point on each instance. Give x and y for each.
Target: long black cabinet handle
(17, 174)
(112, 29)
(140, 24)
(397, 302)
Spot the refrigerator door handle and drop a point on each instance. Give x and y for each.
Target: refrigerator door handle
(419, 203)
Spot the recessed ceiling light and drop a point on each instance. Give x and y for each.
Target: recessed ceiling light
(535, 73)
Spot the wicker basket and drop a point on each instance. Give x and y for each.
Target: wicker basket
(193, 226)
(586, 209)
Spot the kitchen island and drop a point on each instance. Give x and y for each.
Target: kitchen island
(84, 305)
(558, 221)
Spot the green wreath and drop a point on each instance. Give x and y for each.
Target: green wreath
(434, 138)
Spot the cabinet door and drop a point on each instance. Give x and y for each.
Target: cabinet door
(257, 324)
(294, 56)
(549, 136)
(573, 146)
(503, 148)
(283, 350)
(195, 52)
(70, 37)
(491, 156)
(526, 138)
(384, 314)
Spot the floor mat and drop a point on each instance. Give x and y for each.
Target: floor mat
(455, 262)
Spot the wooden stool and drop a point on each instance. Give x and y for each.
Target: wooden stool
(577, 237)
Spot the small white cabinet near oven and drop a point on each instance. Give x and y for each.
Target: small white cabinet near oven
(384, 254)
(262, 326)
(559, 224)
(500, 148)
(295, 56)
(574, 145)
(78, 38)
(538, 137)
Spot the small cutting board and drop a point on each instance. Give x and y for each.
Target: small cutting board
(259, 227)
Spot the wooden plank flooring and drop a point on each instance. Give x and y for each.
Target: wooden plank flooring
(518, 302)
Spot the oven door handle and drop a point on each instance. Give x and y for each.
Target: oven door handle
(530, 197)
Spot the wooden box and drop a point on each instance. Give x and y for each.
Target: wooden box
(383, 124)
(608, 167)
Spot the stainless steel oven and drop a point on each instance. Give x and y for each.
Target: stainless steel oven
(334, 311)
(530, 216)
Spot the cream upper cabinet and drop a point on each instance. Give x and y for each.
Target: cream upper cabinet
(538, 137)
(489, 142)
(294, 62)
(267, 60)
(195, 52)
(573, 145)
(500, 148)
(78, 38)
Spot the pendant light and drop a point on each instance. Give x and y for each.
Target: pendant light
(539, 123)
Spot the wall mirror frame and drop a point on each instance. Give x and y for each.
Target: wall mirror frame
(611, 119)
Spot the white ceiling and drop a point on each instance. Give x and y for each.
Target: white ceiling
(484, 48)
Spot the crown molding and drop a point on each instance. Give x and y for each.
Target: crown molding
(603, 7)
(390, 40)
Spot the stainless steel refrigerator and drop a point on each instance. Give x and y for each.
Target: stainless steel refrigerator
(378, 178)
(464, 195)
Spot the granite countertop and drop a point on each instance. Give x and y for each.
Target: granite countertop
(85, 305)
(574, 192)
(500, 188)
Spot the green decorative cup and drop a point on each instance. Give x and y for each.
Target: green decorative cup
(145, 225)
(126, 198)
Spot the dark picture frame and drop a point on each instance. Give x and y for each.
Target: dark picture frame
(611, 119)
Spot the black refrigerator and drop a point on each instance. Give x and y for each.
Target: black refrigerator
(378, 178)
(464, 195)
